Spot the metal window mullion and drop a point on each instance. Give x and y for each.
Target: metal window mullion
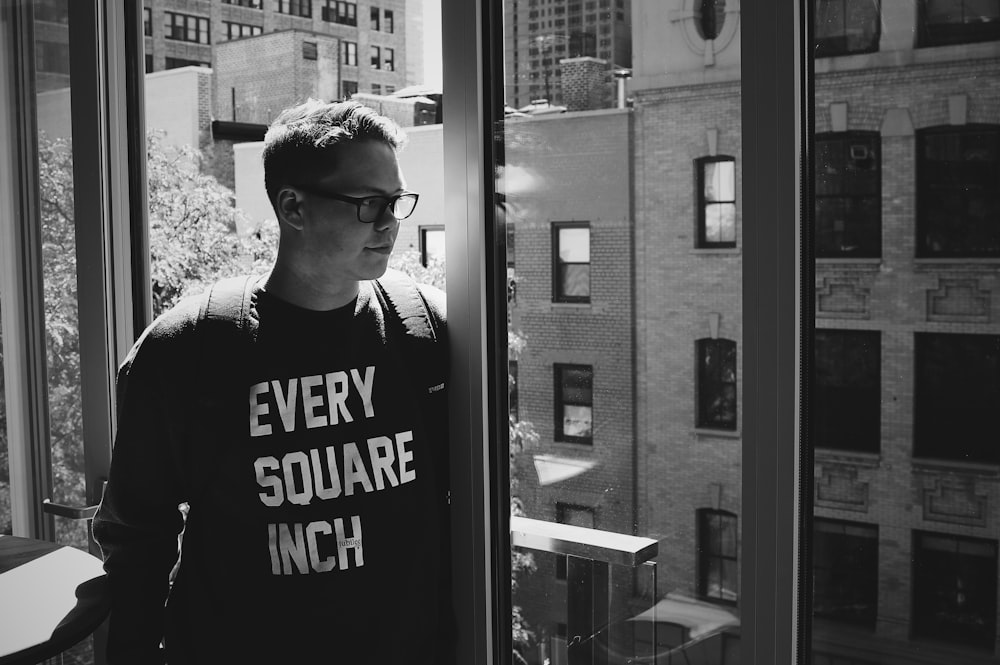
(773, 624)
(94, 166)
(477, 549)
(21, 281)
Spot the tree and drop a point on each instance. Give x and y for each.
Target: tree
(193, 242)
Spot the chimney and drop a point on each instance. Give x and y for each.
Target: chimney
(585, 85)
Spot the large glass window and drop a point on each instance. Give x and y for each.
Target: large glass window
(570, 262)
(717, 383)
(574, 403)
(944, 22)
(187, 28)
(958, 191)
(845, 572)
(843, 27)
(302, 8)
(847, 397)
(905, 374)
(717, 556)
(716, 202)
(955, 590)
(957, 395)
(338, 11)
(848, 195)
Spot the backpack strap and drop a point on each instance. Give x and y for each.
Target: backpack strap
(425, 352)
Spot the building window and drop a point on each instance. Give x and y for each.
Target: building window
(716, 202)
(350, 54)
(571, 262)
(252, 4)
(310, 51)
(376, 88)
(582, 44)
(431, 245)
(955, 589)
(845, 571)
(389, 25)
(848, 196)
(582, 516)
(389, 59)
(846, 409)
(349, 88)
(512, 409)
(175, 63)
(717, 555)
(957, 395)
(302, 8)
(147, 21)
(958, 192)
(713, 15)
(149, 62)
(52, 57)
(944, 22)
(846, 26)
(338, 11)
(51, 11)
(574, 403)
(716, 384)
(376, 57)
(187, 28)
(376, 15)
(237, 30)
(389, 89)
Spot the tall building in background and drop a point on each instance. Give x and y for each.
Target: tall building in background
(372, 55)
(540, 34)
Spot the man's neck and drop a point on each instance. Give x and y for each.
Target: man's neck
(309, 292)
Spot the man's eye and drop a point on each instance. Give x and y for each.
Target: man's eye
(372, 203)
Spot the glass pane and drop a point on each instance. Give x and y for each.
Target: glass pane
(628, 135)
(574, 245)
(905, 367)
(55, 147)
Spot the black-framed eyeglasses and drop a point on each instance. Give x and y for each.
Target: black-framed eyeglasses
(371, 208)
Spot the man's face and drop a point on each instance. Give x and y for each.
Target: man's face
(336, 244)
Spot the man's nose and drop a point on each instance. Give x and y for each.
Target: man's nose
(386, 220)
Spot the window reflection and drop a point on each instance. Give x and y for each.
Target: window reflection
(905, 369)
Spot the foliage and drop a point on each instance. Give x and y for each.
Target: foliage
(193, 242)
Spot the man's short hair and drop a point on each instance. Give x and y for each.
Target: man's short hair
(298, 144)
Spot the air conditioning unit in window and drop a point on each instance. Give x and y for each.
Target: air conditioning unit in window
(859, 152)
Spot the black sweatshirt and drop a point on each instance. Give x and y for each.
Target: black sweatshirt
(314, 532)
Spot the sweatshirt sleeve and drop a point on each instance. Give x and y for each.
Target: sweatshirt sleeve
(138, 523)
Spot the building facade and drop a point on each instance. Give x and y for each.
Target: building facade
(538, 34)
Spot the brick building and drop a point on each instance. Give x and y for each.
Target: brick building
(539, 34)
(907, 477)
(372, 40)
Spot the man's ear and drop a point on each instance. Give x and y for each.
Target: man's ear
(290, 208)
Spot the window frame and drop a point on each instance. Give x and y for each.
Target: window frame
(702, 203)
(558, 287)
(297, 8)
(954, 36)
(844, 140)
(349, 54)
(844, 525)
(703, 518)
(704, 383)
(199, 22)
(559, 402)
(341, 12)
(874, 338)
(925, 194)
(375, 56)
(828, 48)
(422, 232)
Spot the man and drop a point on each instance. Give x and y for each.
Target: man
(309, 453)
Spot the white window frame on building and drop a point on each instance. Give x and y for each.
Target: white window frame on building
(713, 205)
(191, 28)
(566, 261)
(350, 54)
